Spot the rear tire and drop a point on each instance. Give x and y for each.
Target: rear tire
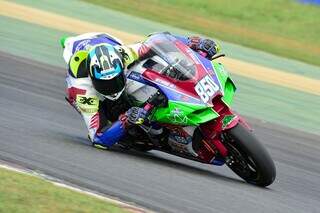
(248, 158)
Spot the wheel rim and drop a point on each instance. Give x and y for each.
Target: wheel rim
(242, 164)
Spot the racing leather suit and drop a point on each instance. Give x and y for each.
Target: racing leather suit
(100, 114)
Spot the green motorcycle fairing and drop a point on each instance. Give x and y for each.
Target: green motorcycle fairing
(183, 113)
(190, 114)
(226, 82)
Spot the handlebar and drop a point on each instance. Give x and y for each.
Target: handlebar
(155, 100)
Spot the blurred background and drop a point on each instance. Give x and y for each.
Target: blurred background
(273, 55)
(272, 46)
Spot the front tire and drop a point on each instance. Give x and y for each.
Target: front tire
(143, 147)
(248, 158)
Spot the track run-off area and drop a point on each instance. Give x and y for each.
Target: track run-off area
(63, 23)
(41, 132)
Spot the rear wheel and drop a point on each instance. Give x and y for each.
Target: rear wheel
(248, 158)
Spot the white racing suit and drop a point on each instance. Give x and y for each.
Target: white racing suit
(99, 114)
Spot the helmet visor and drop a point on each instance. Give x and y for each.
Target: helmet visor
(110, 87)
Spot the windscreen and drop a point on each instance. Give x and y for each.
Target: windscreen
(177, 63)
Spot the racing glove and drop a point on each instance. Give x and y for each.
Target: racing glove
(136, 116)
(204, 45)
(112, 135)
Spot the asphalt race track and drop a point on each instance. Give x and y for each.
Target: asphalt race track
(40, 131)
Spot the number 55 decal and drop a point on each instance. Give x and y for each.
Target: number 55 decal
(206, 88)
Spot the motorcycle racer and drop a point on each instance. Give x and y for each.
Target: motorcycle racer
(96, 82)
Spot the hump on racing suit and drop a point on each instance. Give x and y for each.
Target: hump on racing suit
(80, 91)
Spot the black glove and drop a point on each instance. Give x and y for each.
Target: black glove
(136, 115)
(209, 46)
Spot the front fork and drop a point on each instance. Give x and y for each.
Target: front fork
(212, 140)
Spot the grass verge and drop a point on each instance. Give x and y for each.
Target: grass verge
(282, 27)
(24, 193)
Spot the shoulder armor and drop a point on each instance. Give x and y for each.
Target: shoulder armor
(77, 65)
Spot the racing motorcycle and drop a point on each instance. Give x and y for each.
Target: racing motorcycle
(195, 95)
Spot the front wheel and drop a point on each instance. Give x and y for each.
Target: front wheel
(248, 158)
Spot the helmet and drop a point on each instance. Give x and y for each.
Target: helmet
(106, 70)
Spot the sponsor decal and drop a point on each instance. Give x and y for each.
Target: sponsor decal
(165, 83)
(87, 104)
(227, 120)
(86, 100)
(193, 57)
(179, 140)
(83, 45)
(185, 98)
(86, 110)
(135, 76)
(177, 116)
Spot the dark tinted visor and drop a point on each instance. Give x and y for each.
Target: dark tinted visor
(110, 87)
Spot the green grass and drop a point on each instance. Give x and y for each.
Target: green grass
(282, 27)
(24, 193)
